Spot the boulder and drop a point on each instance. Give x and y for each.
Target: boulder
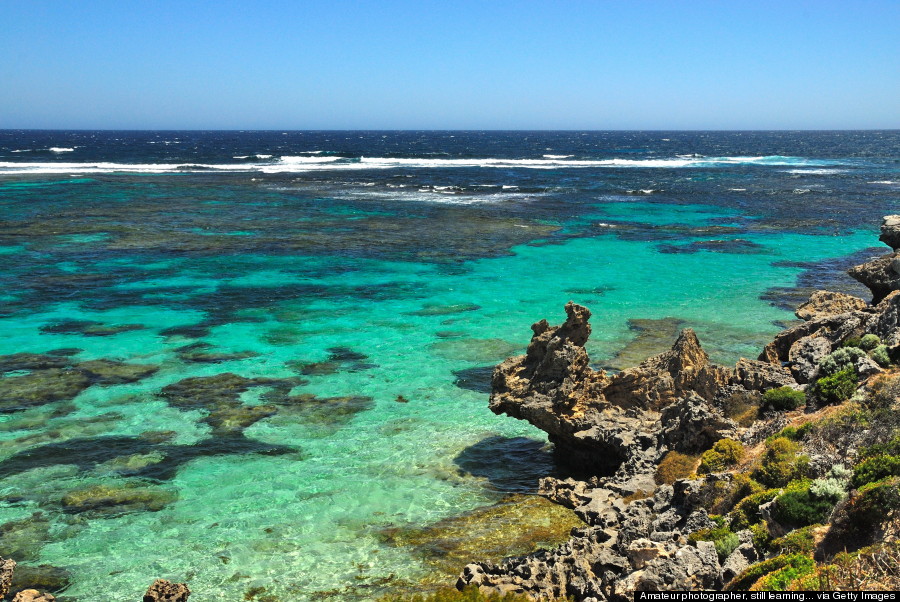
(756, 375)
(881, 275)
(33, 595)
(166, 591)
(7, 567)
(828, 303)
(804, 357)
(890, 231)
(693, 425)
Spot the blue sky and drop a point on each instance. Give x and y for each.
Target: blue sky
(392, 64)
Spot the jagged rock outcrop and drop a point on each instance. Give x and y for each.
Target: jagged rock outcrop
(166, 591)
(612, 424)
(7, 567)
(622, 425)
(828, 303)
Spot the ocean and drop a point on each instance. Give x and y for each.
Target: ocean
(259, 362)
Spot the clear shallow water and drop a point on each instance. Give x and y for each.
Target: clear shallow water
(377, 288)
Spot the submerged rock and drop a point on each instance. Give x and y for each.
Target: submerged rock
(166, 591)
(41, 387)
(42, 577)
(113, 500)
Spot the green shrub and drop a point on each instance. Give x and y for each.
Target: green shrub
(722, 537)
(839, 360)
(797, 541)
(835, 388)
(725, 453)
(889, 448)
(780, 463)
(784, 398)
(762, 539)
(799, 507)
(880, 356)
(746, 512)
(869, 342)
(852, 342)
(799, 566)
(875, 468)
(794, 433)
(796, 563)
(875, 502)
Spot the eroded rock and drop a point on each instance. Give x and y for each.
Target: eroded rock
(166, 591)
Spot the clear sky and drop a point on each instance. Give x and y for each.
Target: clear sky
(450, 64)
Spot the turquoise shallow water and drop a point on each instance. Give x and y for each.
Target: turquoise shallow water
(378, 317)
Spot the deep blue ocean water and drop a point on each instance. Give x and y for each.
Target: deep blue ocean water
(251, 354)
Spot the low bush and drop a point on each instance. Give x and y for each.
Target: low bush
(880, 356)
(781, 463)
(799, 507)
(746, 512)
(875, 503)
(724, 454)
(794, 433)
(799, 566)
(835, 388)
(783, 398)
(796, 563)
(869, 342)
(797, 541)
(722, 537)
(839, 360)
(875, 468)
(674, 466)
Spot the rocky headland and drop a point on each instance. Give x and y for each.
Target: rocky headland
(779, 472)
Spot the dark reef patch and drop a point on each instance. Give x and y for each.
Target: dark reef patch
(653, 337)
(738, 246)
(88, 453)
(828, 274)
(89, 328)
(340, 359)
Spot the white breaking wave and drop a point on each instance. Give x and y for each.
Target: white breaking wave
(558, 156)
(290, 164)
(815, 172)
(884, 182)
(60, 149)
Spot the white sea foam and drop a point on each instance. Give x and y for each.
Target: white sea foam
(22, 150)
(297, 163)
(889, 182)
(60, 149)
(815, 172)
(558, 156)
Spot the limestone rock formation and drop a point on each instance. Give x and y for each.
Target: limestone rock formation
(890, 231)
(33, 595)
(881, 275)
(7, 566)
(166, 591)
(828, 303)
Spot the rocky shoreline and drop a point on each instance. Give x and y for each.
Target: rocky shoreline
(720, 431)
